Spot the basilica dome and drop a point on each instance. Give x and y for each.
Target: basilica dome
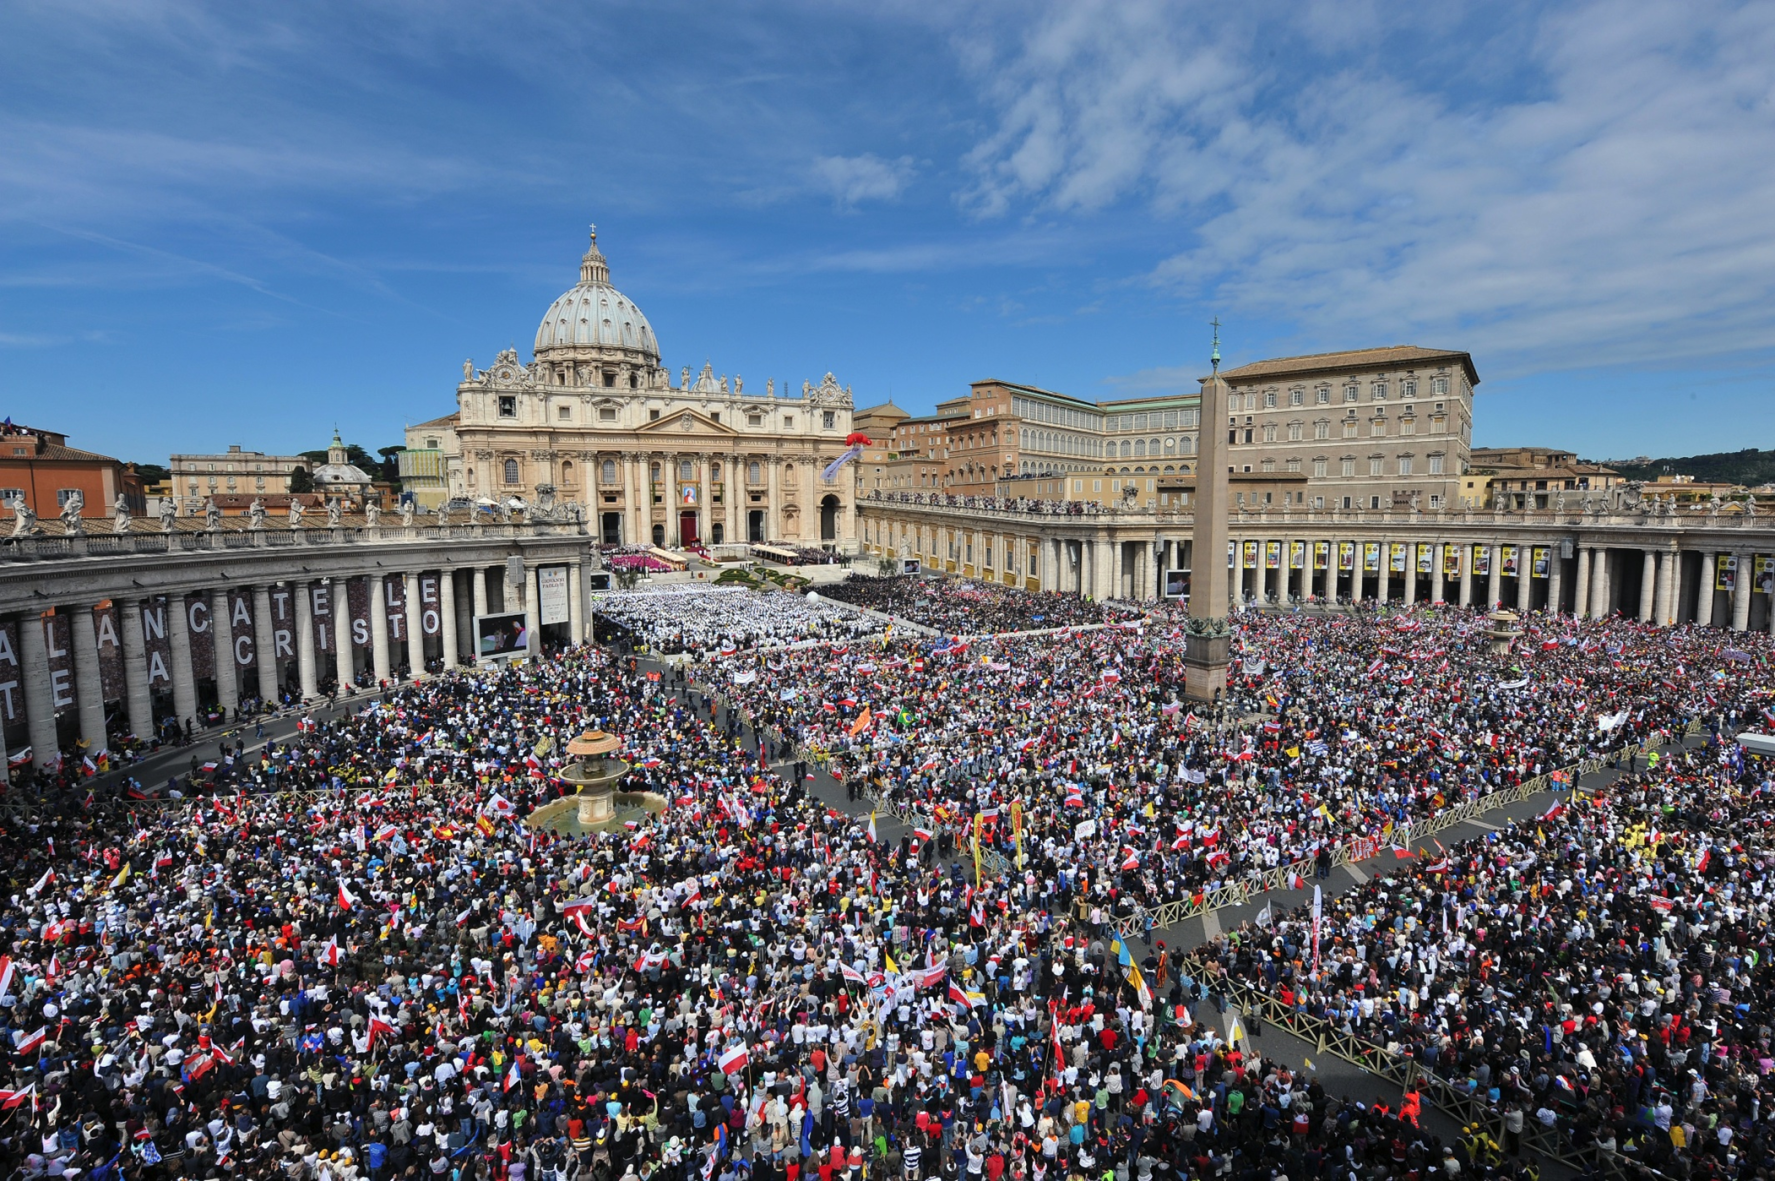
(593, 315)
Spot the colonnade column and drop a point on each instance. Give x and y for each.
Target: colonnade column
(1599, 584)
(379, 626)
(1664, 601)
(39, 697)
(1411, 572)
(305, 663)
(1581, 592)
(1285, 567)
(1704, 592)
(1495, 560)
(533, 641)
(1466, 574)
(88, 688)
(1384, 575)
(222, 643)
(576, 616)
(1648, 574)
(178, 642)
(135, 668)
(1236, 584)
(415, 633)
(447, 614)
(1438, 558)
(1555, 579)
(1741, 595)
(344, 663)
(264, 643)
(478, 589)
(1525, 577)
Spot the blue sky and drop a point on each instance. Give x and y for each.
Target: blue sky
(235, 223)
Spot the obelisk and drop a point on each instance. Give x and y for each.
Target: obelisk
(1207, 637)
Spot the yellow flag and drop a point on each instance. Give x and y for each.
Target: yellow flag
(889, 961)
(122, 876)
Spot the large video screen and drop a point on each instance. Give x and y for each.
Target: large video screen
(501, 635)
(1176, 584)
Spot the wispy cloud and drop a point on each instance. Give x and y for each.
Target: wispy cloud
(855, 179)
(1608, 202)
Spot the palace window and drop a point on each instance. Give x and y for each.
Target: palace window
(1350, 392)
(1322, 429)
(64, 495)
(1436, 465)
(1296, 397)
(1380, 391)
(1349, 430)
(1269, 432)
(1294, 465)
(1377, 428)
(828, 419)
(1269, 465)
(754, 473)
(1439, 386)
(607, 472)
(1323, 397)
(1269, 399)
(1408, 388)
(1295, 430)
(511, 471)
(1405, 465)
(1375, 463)
(1321, 468)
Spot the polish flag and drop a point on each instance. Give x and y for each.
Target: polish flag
(379, 1028)
(11, 1099)
(24, 1043)
(734, 1059)
(6, 971)
(48, 877)
(347, 899)
(329, 955)
(584, 963)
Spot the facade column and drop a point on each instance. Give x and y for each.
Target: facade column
(1466, 574)
(178, 642)
(1741, 595)
(1525, 577)
(532, 630)
(1284, 570)
(478, 589)
(33, 658)
(379, 626)
(1599, 586)
(774, 504)
(1581, 592)
(1411, 572)
(1117, 560)
(89, 689)
(1438, 581)
(1385, 573)
(135, 669)
(1236, 583)
(1493, 575)
(447, 615)
(265, 643)
(1648, 575)
(415, 632)
(1704, 592)
(1665, 596)
(306, 666)
(222, 640)
(1555, 580)
(344, 659)
(576, 612)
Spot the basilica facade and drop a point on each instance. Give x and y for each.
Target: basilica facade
(596, 417)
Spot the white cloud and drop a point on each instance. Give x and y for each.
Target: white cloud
(1590, 188)
(854, 179)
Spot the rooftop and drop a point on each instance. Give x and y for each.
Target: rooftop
(1396, 354)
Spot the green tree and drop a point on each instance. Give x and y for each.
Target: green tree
(300, 480)
(391, 463)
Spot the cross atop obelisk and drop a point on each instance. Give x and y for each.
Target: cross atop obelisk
(1207, 636)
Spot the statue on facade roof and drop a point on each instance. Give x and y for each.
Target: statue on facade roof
(256, 514)
(120, 518)
(24, 517)
(71, 512)
(372, 512)
(406, 508)
(169, 509)
(212, 515)
(295, 512)
(335, 508)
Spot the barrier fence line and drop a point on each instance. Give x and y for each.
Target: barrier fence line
(1404, 1071)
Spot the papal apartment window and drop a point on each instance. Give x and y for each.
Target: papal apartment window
(1350, 392)
(1405, 465)
(1294, 465)
(1269, 465)
(1436, 465)
(511, 471)
(1374, 465)
(1377, 428)
(1323, 397)
(1408, 388)
(1322, 429)
(1296, 397)
(1269, 399)
(1321, 468)
(1349, 430)
(508, 406)
(1294, 431)
(1439, 386)
(1380, 391)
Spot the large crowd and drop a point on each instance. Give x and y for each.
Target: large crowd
(1603, 971)
(708, 620)
(359, 963)
(966, 608)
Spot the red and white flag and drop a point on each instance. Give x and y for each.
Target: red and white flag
(734, 1059)
(25, 1043)
(329, 955)
(347, 899)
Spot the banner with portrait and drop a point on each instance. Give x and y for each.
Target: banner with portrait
(1539, 562)
(1451, 561)
(1371, 557)
(1482, 560)
(1321, 554)
(1396, 557)
(1250, 555)
(1507, 555)
(1765, 575)
(1297, 555)
(1346, 555)
(1272, 555)
(1726, 573)
(1426, 559)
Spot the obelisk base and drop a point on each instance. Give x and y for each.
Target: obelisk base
(1204, 663)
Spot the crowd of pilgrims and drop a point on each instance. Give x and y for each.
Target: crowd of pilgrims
(1333, 729)
(968, 608)
(705, 620)
(1602, 971)
(390, 976)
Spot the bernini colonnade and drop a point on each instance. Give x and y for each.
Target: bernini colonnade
(144, 626)
(1706, 568)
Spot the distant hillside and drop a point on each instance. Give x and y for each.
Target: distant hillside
(1749, 467)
